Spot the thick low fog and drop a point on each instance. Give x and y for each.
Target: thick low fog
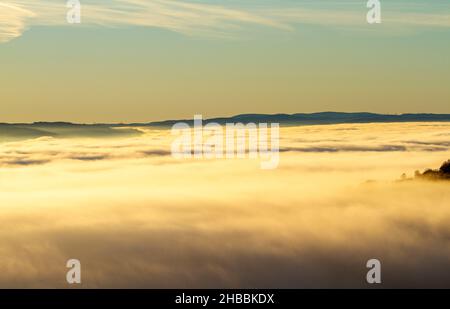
(136, 217)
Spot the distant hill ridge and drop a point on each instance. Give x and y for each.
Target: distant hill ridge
(316, 118)
(283, 119)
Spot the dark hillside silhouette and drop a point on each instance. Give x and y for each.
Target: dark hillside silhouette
(443, 173)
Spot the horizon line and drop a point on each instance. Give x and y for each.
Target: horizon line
(159, 122)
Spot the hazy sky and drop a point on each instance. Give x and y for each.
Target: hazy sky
(142, 60)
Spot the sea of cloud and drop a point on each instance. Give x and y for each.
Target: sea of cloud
(136, 217)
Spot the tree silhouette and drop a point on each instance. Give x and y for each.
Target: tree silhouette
(441, 174)
(445, 168)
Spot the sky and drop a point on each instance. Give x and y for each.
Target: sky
(145, 60)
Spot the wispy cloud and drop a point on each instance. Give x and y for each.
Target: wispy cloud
(12, 20)
(217, 20)
(179, 16)
(352, 17)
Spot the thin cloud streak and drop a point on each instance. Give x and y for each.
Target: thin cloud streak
(182, 17)
(194, 19)
(12, 21)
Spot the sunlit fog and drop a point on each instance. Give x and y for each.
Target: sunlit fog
(137, 217)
